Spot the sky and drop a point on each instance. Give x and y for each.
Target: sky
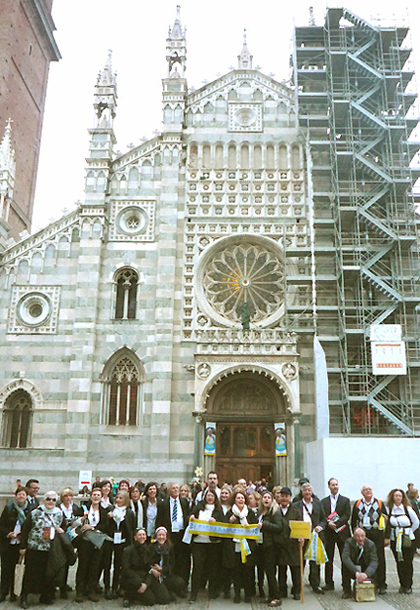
(136, 31)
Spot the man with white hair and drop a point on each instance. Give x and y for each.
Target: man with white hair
(369, 513)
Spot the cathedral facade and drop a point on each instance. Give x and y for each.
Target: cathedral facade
(182, 296)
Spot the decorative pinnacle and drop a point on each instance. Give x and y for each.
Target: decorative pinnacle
(176, 33)
(7, 153)
(245, 58)
(106, 78)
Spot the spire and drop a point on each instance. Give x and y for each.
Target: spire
(176, 48)
(105, 95)
(245, 57)
(7, 171)
(7, 154)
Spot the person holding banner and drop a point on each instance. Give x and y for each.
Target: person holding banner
(236, 551)
(206, 550)
(311, 511)
(271, 524)
(288, 551)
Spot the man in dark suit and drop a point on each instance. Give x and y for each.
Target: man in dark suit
(288, 551)
(32, 485)
(360, 559)
(337, 510)
(311, 510)
(173, 513)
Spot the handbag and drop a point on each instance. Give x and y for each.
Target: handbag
(406, 541)
(68, 548)
(19, 573)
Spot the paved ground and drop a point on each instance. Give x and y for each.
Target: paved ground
(329, 601)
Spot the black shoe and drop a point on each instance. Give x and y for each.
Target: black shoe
(3, 598)
(247, 599)
(79, 597)
(407, 591)
(193, 598)
(296, 596)
(346, 595)
(23, 603)
(318, 590)
(13, 597)
(226, 594)
(237, 598)
(382, 591)
(63, 594)
(329, 587)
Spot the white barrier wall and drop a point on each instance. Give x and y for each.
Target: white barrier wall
(382, 462)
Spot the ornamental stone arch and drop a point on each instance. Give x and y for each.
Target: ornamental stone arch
(210, 375)
(25, 385)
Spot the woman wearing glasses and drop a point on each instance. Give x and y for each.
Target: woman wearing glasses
(39, 530)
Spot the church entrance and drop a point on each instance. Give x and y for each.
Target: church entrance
(245, 407)
(244, 450)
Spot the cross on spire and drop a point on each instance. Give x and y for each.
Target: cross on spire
(245, 57)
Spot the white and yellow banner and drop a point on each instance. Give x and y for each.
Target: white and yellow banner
(226, 530)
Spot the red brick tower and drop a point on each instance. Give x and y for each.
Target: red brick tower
(27, 46)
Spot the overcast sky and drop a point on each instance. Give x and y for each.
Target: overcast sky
(136, 32)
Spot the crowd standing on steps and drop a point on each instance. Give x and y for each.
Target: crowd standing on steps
(133, 540)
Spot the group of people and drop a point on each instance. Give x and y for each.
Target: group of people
(147, 540)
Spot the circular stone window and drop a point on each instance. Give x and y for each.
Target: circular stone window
(132, 221)
(245, 117)
(242, 275)
(34, 309)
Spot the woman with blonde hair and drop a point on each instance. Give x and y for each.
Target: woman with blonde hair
(71, 511)
(271, 525)
(121, 530)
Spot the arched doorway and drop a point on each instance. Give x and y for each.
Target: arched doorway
(245, 407)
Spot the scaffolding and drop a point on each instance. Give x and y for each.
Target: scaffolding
(352, 81)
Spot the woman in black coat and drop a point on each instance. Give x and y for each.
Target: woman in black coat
(121, 529)
(242, 573)
(71, 512)
(89, 555)
(11, 522)
(206, 550)
(271, 524)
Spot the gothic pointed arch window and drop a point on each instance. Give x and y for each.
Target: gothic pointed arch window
(123, 377)
(17, 420)
(126, 293)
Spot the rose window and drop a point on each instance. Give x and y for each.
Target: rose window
(245, 277)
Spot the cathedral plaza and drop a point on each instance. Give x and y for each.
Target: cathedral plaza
(240, 293)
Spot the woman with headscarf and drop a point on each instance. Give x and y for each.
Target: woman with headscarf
(11, 522)
(39, 530)
(401, 525)
(121, 530)
(163, 567)
(71, 512)
(242, 573)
